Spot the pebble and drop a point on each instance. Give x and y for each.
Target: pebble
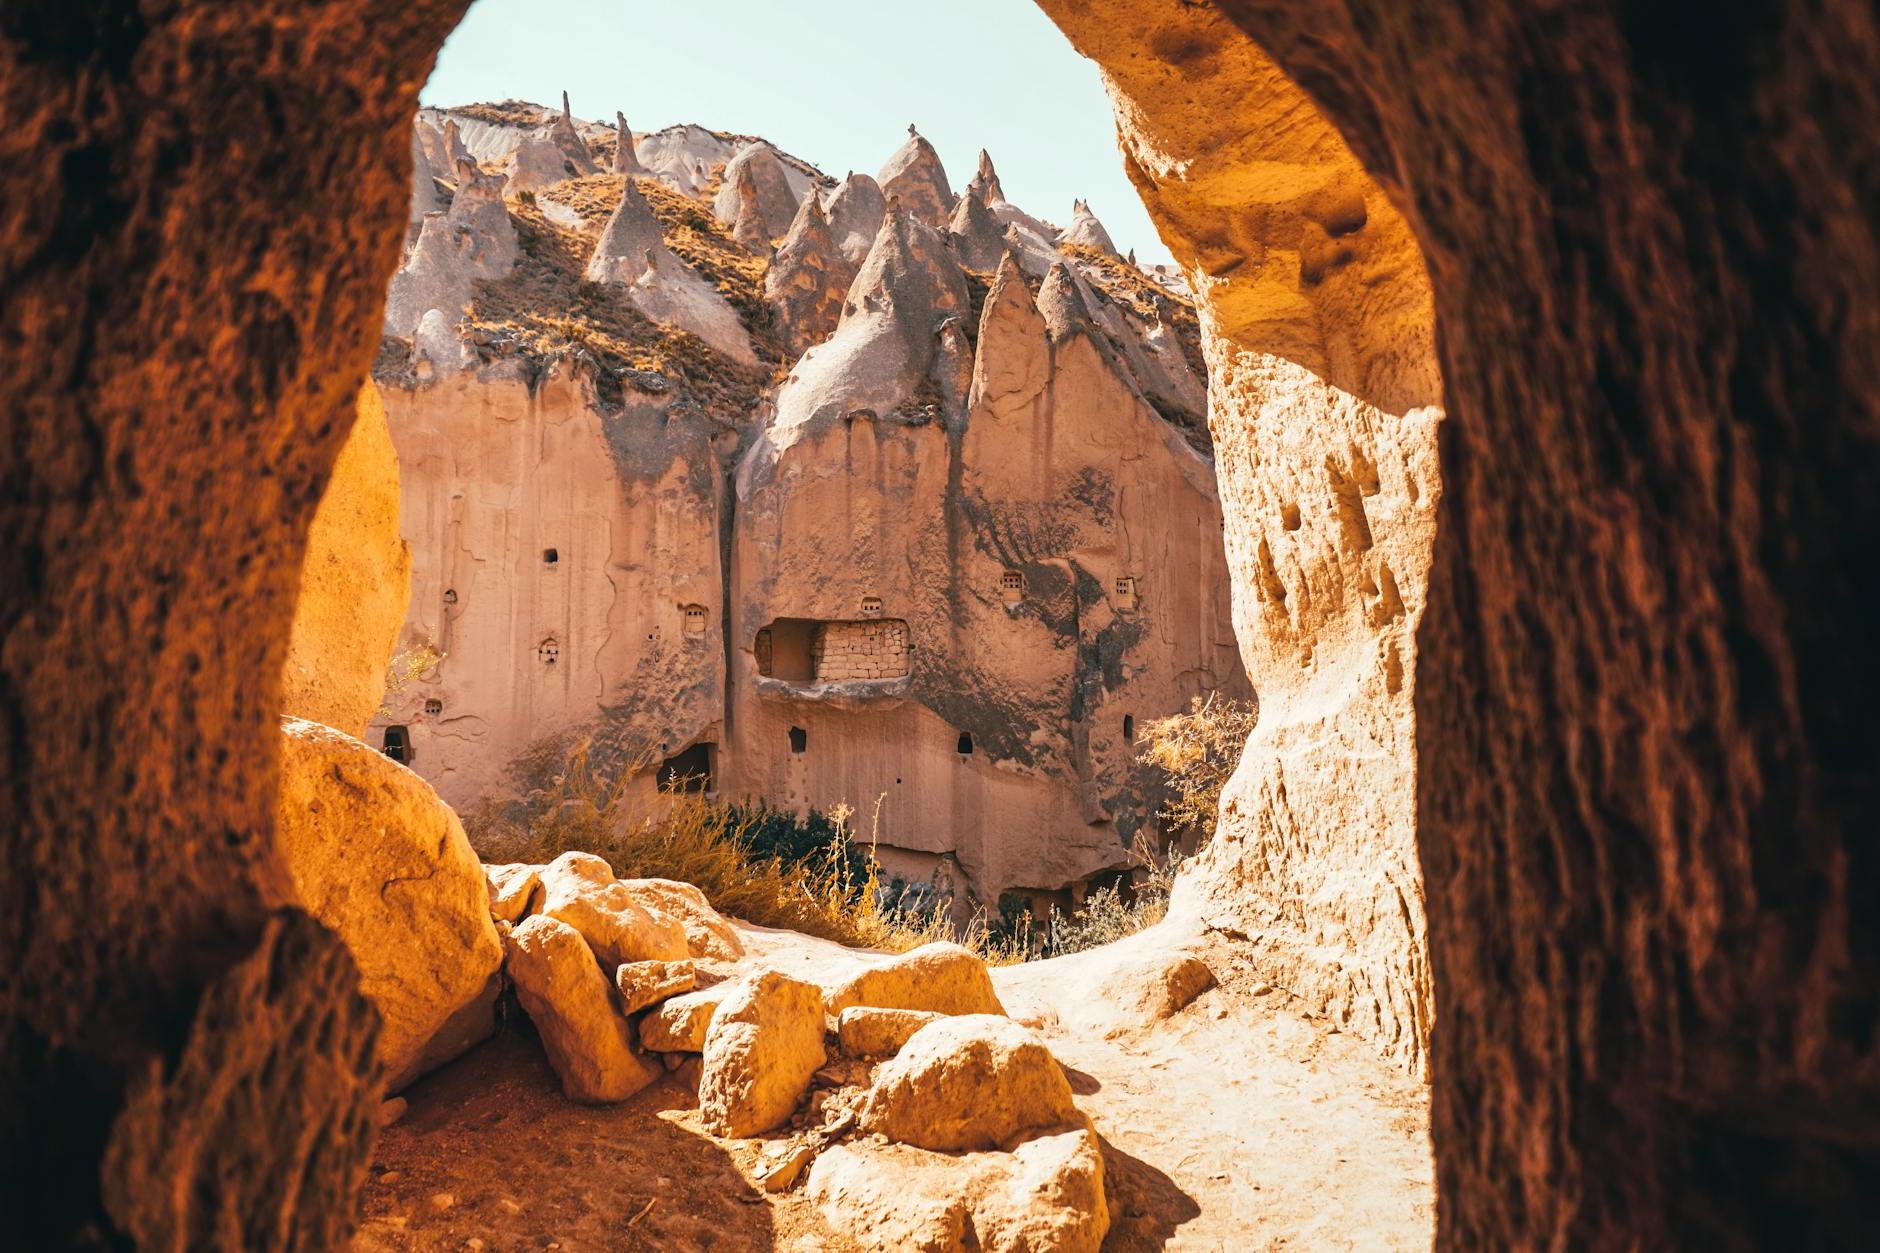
(442, 1201)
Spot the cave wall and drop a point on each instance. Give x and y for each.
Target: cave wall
(199, 207)
(1645, 767)
(1324, 400)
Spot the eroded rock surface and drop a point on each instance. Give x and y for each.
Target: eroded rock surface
(764, 1044)
(935, 978)
(571, 1002)
(975, 1081)
(375, 855)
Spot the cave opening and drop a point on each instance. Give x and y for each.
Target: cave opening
(1584, 523)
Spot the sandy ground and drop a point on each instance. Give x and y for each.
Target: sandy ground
(1238, 1124)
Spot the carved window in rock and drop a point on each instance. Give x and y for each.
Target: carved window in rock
(1012, 586)
(396, 744)
(799, 740)
(964, 745)
(1126, 592)
(551, 557)
(1129, 728)
(695, 619)
(450, 596)
(434, 706)
(548, 652)
(688, 771)
(871, 606)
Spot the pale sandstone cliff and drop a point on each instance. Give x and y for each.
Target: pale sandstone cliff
(966, 551)
(1324, 400)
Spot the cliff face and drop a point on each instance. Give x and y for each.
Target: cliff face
(1324, 401)
(1642, 758)
(935, 568)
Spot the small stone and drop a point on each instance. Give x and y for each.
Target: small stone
(784, 1173)
(393, 1110)
(441, 1201)
(509, 1205)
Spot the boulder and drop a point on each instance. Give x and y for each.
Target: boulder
(1046, 1196)
(635, 919)
(586, 1037)
(355, 583)
(938, 978)
(708, 933)
(868, 1031)
(681, 1023)
(972, 1082)
(515, 891)
(764, 1046)
(376, 856)
(645, 983)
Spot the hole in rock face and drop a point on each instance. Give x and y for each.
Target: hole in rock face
(964, 745)
(450, 596)
(695, 619)
(551, 557)
(434, 706)
(688, 771)
(548, 652)
(396, 744)
(1129, 728)
(799, 740)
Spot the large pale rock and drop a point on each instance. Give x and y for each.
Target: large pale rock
(643, 983)
(971, 1082)
(764, 1045)
(1046, 1196)
(708, 933)
(515, 891)
(618, 923)
(355, 583)
(1086, 230)
(632, 252)
(571, 1002)
(939, 978)
(681, 1023)
(375, 855)
(868, 1031)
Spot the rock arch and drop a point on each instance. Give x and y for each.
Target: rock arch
(1645, 767)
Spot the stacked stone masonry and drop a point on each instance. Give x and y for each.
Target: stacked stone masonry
(859, 650)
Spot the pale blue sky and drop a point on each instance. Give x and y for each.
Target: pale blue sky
(834, 81)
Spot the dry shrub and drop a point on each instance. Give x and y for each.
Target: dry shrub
(1198, 750)
(574, 799)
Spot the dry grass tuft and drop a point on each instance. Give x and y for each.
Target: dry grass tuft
(728, 852)
(547, 307)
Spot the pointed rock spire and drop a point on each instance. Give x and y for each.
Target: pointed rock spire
(1013, 363)
(454, 149)
(626, 160)
(808, 279)
(632, 253)
(776, 202)
(1061, 301)
(631, 232)
(893, 342)
(855, 213)
(915, 174)
(425, 195)
(748, 226)
(572, 147)
(1086, 230)
(977, 236)
(986, 179)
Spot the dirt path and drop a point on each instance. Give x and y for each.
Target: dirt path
(1237, 1124)
(1241, 1125)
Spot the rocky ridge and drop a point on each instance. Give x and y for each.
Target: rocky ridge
(756, 348)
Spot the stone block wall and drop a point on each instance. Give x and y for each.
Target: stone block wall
(859, 650)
